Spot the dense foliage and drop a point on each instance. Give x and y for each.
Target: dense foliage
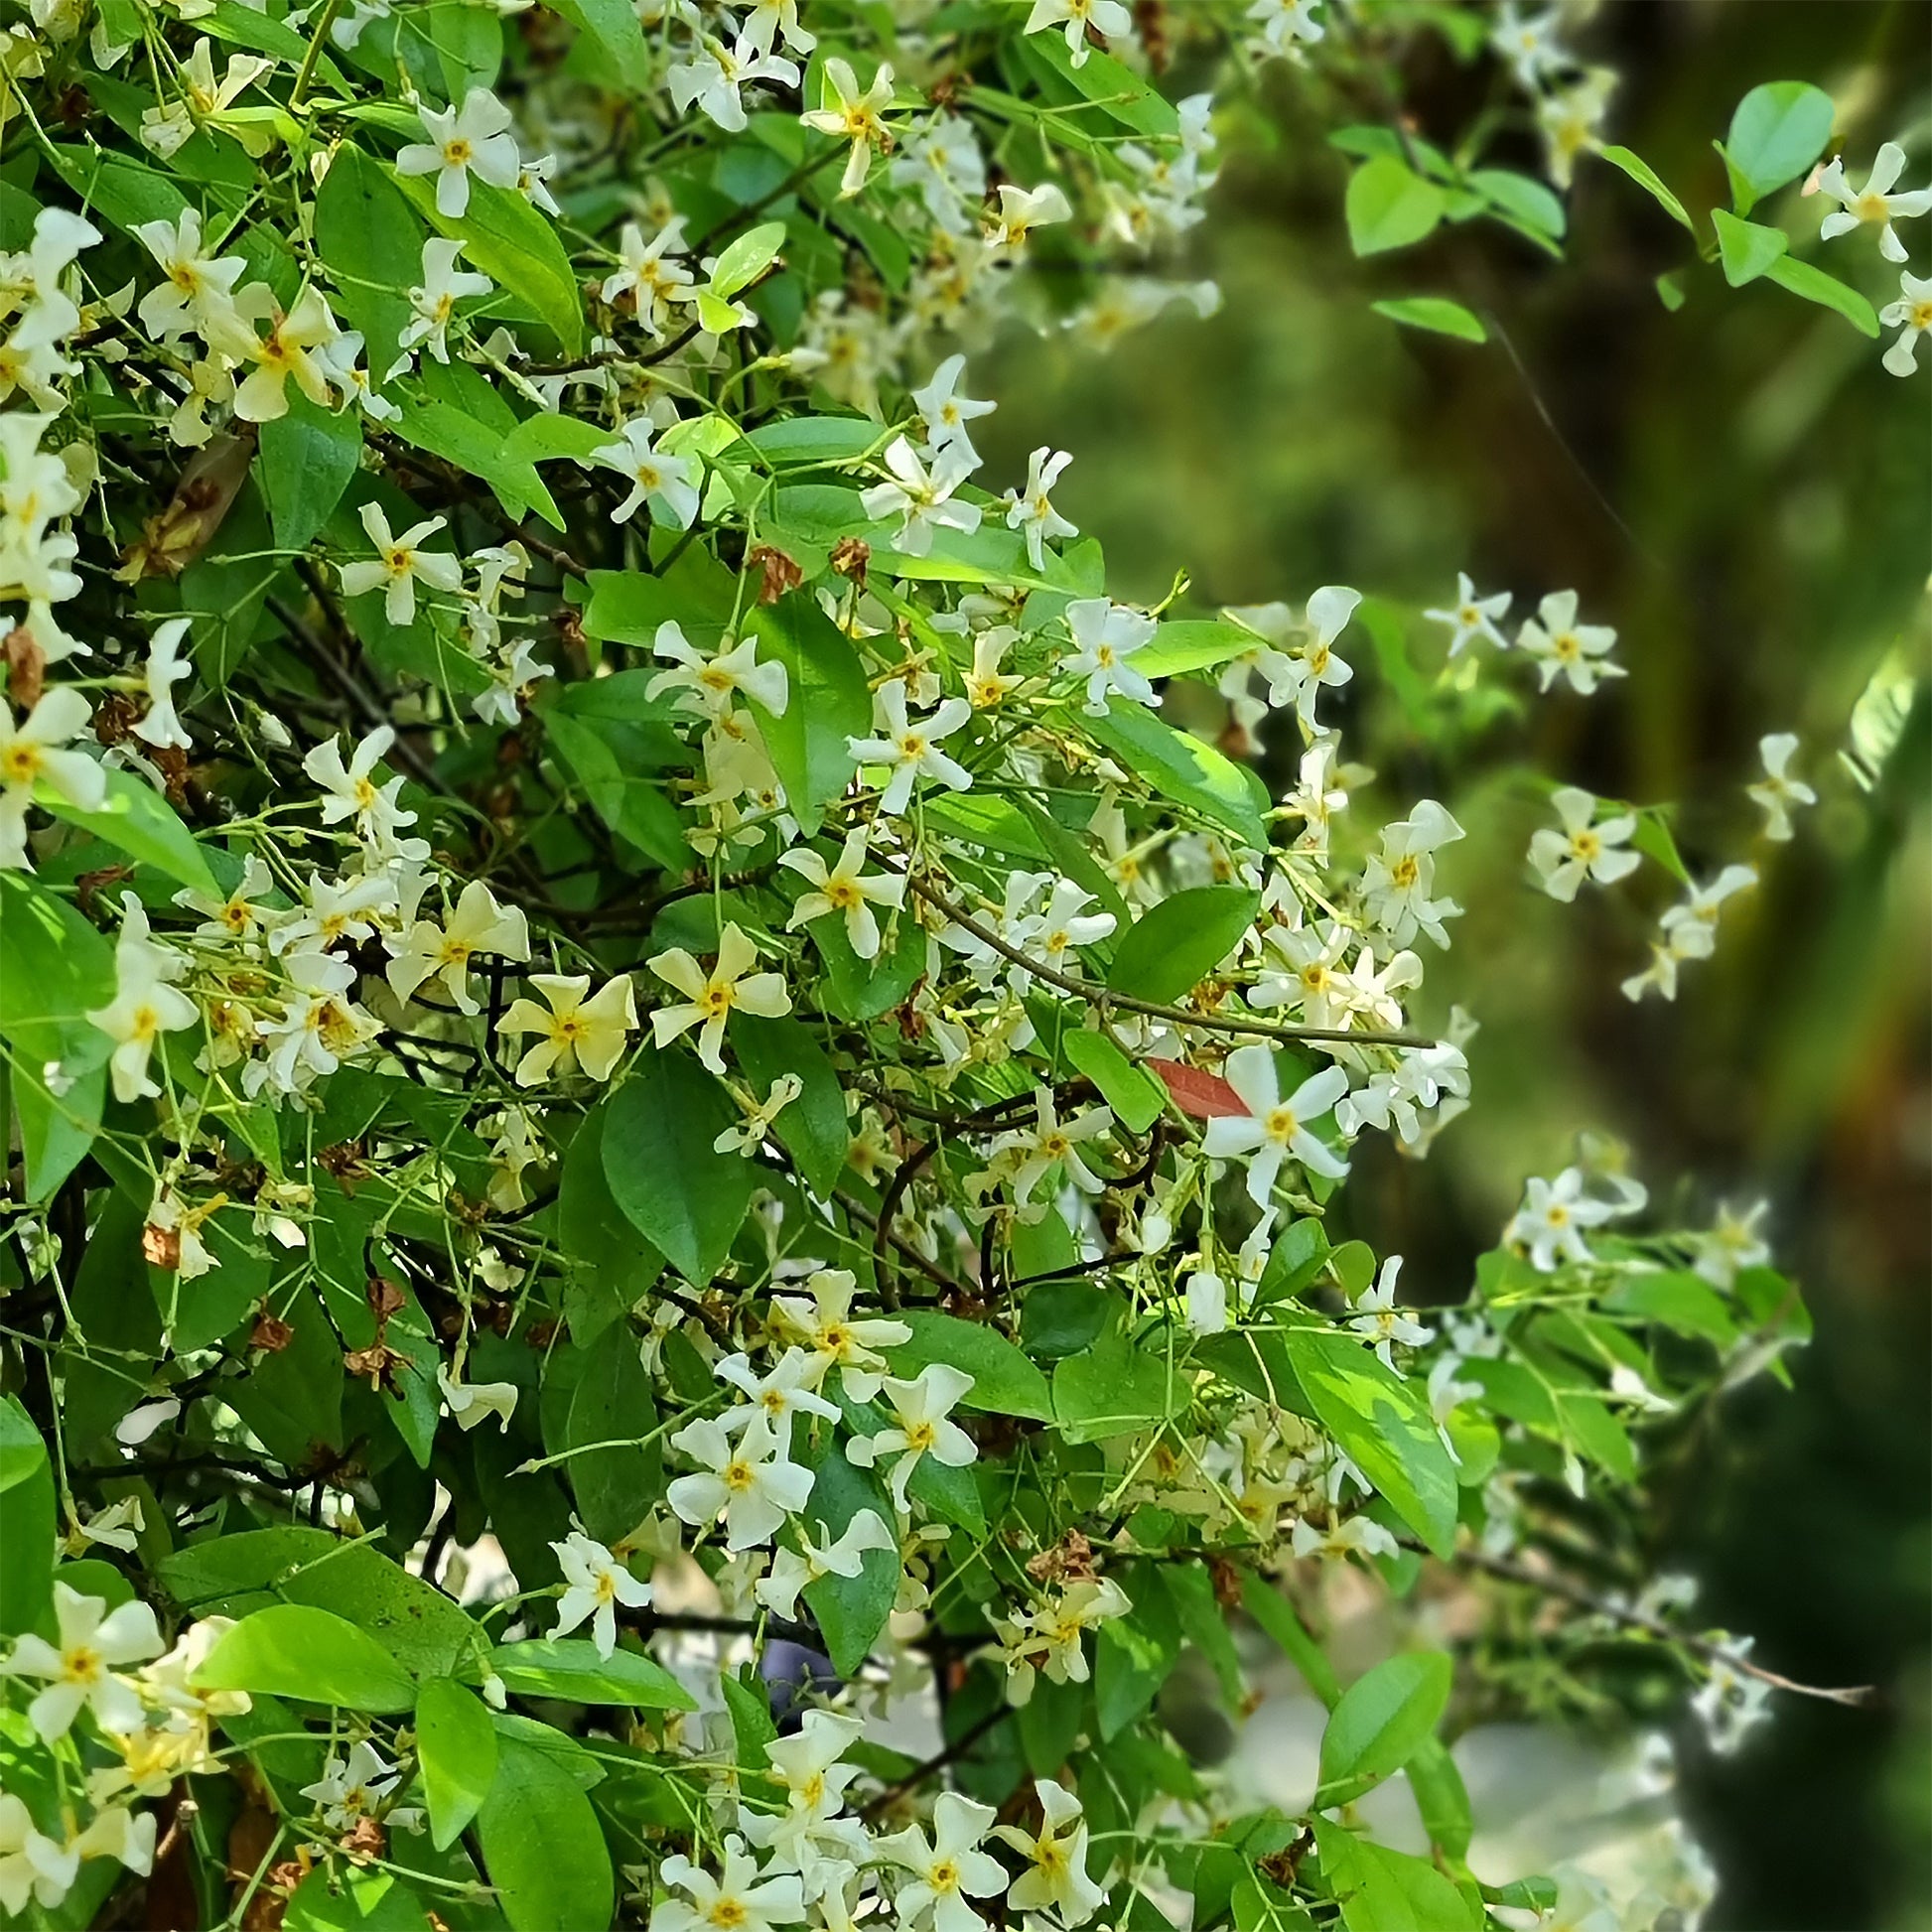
(675, 1151)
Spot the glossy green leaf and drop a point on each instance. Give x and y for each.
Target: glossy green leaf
(1435, 314)
(455, 1751)
(1390, 206)
(850, 1611)
(291, 1650)
(542, 1847)
(686, 1198)
(516, 246)
(1646, 178)
(1384, 1425)
(1382, 1720)
(746, 258)
(1745, 249)
(1174, 945)
(137, 820)
(27, 1523)
(570, 1668)
(1136, 1096)
(1005, 1382)
(1801, 278)
(1777, 131)
(305, 460)
(828, 701)
(1183, 769)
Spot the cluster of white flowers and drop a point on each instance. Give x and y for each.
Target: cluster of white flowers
(106, 1665)
(1571, 97)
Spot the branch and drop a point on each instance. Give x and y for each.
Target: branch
(1553, 1584)
(1103, 1001)
(938, 1761)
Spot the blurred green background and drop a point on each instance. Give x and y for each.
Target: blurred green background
(1747, 495)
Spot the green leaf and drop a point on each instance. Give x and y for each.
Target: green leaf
(291, 1650)
(504, 237)
(353, 1900)
(1441, 1797)
(626, 607)
(814, 1128)
(455, 1751)
(570, 1668)
(1778, 130)
(1110, 84)
(749, 1705)
(544, 438)
(27, 1520)
(479, 449)
(816, 438)
(1193, 645)
(369, 237)
(1670, 291)
(1114, 1388)
(1389, 205)
(1205, 1622)
(612, 1403)
(58, 969)
(686, 1199)
(1641, 172)
(228, 1575)
(1381, 1720)
(1388, 1892)
(1826, 290)
(614, 762)
(1745, 249)
(1176, 944)
(1005, 1382)
(1653, 838)
(1384, 1425)
(828, 701)
(307, 459)
(616, 27)
(609, 1266)
(851, 1611)
(1136, 1096)
(136, 819)
(1130, 1665)
(747, 259)
(126, 192)
(1434, 313)
(1529, 201)
(542, 1847)
(1186, 771)
(1677, 1299)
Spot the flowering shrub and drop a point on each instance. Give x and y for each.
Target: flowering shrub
(676, 1177)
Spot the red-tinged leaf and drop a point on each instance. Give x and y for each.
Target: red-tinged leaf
(1198, 1095)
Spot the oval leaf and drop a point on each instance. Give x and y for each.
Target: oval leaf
(1384, 1425)
(456, 1750)
(1435, 314)
(543, 1845)
(570, 1668)
(1777, 133)
(1005, 1382)
(293, 1651)
(1383, 1719)
(1179, 942)
(685, 1198)
(1389, 205)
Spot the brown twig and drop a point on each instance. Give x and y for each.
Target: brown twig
(938, 1761)
(1103, 1001)
(1554, 1584)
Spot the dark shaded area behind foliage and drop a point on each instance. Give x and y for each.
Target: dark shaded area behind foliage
(1742, 491)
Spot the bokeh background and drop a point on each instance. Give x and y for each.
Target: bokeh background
(1741, 490)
